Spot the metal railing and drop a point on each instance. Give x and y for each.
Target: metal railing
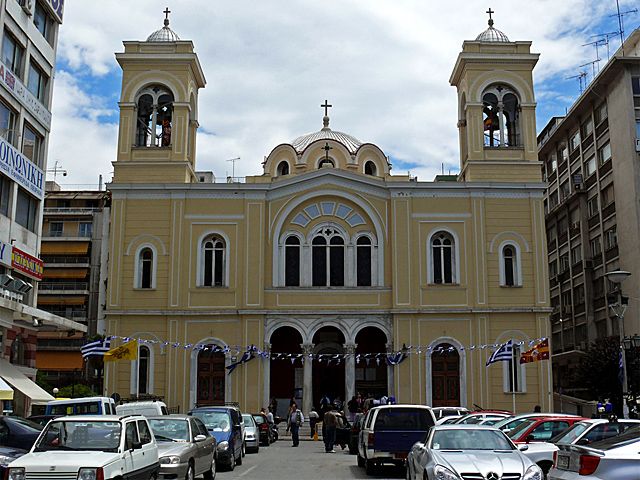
(65, 259)
(86, 210)
(63, 286)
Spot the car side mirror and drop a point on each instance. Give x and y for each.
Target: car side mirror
(200, 438)
(523, 448)
(583, 441)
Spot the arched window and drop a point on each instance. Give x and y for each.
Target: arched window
(509, 256)
(514, 373)
(370, 168)
(283, 168)
(214, 253)
(501, 117)
(145, 268)
(154, 117)
(328, 253)
(292, 261)
(363, 261)
(144, 363)
(326, 161)
(442, 258)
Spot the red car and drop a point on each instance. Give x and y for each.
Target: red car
(541, 429)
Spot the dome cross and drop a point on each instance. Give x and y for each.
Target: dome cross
(166, 15)
(326, 107)
(490, 12)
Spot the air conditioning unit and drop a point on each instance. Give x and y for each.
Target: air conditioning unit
(27, 6)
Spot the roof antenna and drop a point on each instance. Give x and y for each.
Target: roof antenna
(581, 78)
(620, 16)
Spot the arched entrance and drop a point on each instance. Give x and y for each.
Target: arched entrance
(328, 372)
(445, 376)
(286, 376)
(371, 373)
(211, 377)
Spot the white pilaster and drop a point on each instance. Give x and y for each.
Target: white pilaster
(307, 385)
(266, 375)
(349, 371)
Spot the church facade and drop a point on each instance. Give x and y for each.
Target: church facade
(327, 273)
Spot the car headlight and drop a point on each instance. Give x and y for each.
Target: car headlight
(88, 474)
(170, 460)
(16, 474)
(533, 473)
(443, 473)
(223, 446)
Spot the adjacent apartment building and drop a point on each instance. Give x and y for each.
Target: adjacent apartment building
(29, 39)
(591, 161)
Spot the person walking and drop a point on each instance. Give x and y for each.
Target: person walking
(295, 420)
(329, 424)
(313, 420)
(352, 407)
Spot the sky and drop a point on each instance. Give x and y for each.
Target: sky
(384, 66)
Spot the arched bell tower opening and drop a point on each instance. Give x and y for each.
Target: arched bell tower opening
(328, 367)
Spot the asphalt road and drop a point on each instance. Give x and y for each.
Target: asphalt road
(281, 461)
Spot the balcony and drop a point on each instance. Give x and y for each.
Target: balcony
(75, 315)
(594, 220)
(552, 176)
(574, 229)
(52, 288)
(599, 303)
(605, 168)
(591, 179)
(552, 245)
(70, 210)
(61, 261)
(573, 155)
(611, 253)
(587, 142)
(609, 210)
(577, 268)
(600, 129)
(562, 167)
(563, 237)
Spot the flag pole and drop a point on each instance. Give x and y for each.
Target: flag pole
(513, 376)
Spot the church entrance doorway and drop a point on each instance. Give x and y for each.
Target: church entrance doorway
(286, 376)
(371, 372)
(328, 368)
(445, 376)
(211, 377)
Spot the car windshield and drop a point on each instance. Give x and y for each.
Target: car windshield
(509, 423)
(26, 426)
(570, 435)
(80, 435)
(516, 432)
(214, 421)
(170, 429)
(259, 419)
(248, 420)
(470, 439)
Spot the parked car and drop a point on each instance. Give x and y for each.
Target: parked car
(614, 458)
(477, 417)
(443, 412)
(224, 424)
(81, 406)
(88, 446)
(265, 433)
(16, 432)
(449, 420)
(42, 419)
(388, 433)
(468, 451)
(148, 408)
(185, 447)
(8, 455)
(251, 434)
(509, 423)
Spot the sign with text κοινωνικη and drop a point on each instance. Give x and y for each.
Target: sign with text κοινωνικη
(22, 170)
(5, 254)
(31, 266)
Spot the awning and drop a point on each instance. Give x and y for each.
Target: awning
(64, 248)
(6, 392)
(21, 382)
(60, 300)
(65, 272)
(58, 360)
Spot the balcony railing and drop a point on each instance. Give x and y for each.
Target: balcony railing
(68, 210)
(65, 286)
(64, 259)
(73, 315)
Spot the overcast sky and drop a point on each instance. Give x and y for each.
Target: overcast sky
(383, 65)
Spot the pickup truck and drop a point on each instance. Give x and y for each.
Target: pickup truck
(389, 432)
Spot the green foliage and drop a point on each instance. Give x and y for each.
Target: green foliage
(598, 369)
(76, 391)
(42, 382)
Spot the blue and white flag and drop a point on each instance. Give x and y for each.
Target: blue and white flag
(502, 354)
(96, 349)
(246, 356)
(621, 367)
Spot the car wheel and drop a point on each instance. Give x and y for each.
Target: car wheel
(211, 473)
(154, 476)
(239, 459)
(360, 461)
(190, 474)
(370, 467)
(232, 462)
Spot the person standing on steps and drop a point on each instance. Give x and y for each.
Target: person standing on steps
(313, 420)
(295, 420)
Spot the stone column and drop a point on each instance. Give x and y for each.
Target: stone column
(266, 374)
(349, 371)
(390, 378)
(307, 385)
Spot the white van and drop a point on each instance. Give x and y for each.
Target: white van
(149, 408)
(81, 406)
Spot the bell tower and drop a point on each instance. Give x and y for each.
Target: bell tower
(161, 78)
(496, 109)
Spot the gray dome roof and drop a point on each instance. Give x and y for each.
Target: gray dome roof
(165, 34)
(351, 143)
(492, 35)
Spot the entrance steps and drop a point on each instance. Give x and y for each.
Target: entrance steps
(304, 432)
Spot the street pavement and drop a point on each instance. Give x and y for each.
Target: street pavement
(308, 461)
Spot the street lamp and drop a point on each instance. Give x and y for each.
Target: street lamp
(619, 308)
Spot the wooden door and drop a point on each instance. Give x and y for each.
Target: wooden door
(211, 379)
(445, 377)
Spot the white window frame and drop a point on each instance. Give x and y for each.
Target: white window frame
(133, 384)
(455, 258)
(517, 264)
(200, 259)
(283, 257)
(137, 270)
(506, 370)
(374, 258)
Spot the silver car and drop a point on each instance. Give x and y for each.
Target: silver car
(185, 447)
(615, 458)
(251, 434)
(451, 452)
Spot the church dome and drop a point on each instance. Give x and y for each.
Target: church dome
(165, 34)
(351, 143)
(492, 34)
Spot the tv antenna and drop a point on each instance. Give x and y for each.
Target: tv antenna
(581, 79)
(604, 41)
(596, 44)
(233, 166)
(621, 16)
(593, 68)
(57, 168)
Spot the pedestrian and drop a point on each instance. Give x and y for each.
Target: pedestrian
(273, 406)
(267, 414)
(352, 407)
(295, 420)
(313, 420)
(292, 402)
(329, 424)
(537, 409)
(324, 404)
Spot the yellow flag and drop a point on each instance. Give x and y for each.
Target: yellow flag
(126, 351)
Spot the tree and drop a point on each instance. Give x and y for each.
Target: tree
(76, 391)
(599, 369)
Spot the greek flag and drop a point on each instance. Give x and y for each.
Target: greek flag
(503, 354)
(96, 349)
(246, 356)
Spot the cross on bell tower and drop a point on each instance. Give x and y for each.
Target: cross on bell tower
(490, 12)
(166, 16)
(325, 119)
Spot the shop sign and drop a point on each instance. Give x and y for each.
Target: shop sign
(5, 254)
(24, 96)
(31, 266)
(22, 170)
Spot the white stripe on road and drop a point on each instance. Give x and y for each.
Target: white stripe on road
(247, 471)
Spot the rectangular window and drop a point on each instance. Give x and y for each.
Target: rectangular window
(590, 166)
(516, 383)
(564, 190)
(5, 195)
(598, 287)
(592, 206)
(608, 195)
(37, 82)
(26, 210)
(601, 113)
(576, 255)
(85, 229)
(32, 145)
(586, 128)
(44, 23)
(578, 294)
(596, 248)
(635, 84)
(563, 226)
(7, 123)
(604, 154)
(575, 141)
(55, 229)
(553, 268)
(553, 162)
(12, 54)
(562, 153)
(564, 263)
(611, 238)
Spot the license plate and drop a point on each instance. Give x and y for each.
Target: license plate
(563, 462)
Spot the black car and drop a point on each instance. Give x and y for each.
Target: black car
(42, 419)
(8, 455)
(264, 429)
(16, 432)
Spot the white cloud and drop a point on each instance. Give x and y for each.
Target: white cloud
(383, 65)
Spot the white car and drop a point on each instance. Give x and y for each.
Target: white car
(91, 447)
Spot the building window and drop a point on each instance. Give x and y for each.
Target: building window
(85, 229)
(370, 168)
(592, 206)
(553, 163)
(635, 86)
(363, 261)
(144, 357)
(292, 261)
(514, 373)
(145, 268)
(18, 351)
(155, 110)
(328, 252)
(442, 258)
(604, 154)
(214, 255)
(563, 154)
(553, 268)
(608, 195)
(7, 123)
(509, 258)
(283, 169)
(576, 255)
(578, 294)
(56, 229)
(564, 263)
(44, 23)
(611, 238)
(601, 113)
(590, 166)
(596, 248)
(12, 54)
(32, 145)
(586, 128)
(501, 117)
(564, 190)
(574, 142)
(27, 210)
(5, 195)
(37, 82)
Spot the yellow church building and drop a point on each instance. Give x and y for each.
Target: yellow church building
(325, 269)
